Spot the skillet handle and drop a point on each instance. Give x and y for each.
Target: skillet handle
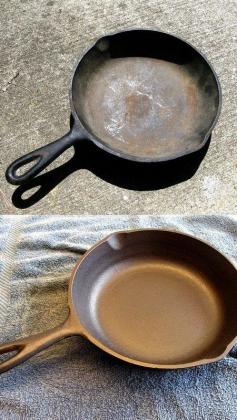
(43, 157)
(28, 347)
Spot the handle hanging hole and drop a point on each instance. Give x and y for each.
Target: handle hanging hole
(8, 355)
(27, 166)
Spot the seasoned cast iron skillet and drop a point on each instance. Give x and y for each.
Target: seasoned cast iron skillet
(142, 95)
(153, 298)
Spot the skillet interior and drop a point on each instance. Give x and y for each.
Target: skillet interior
(146, 95)
(157, 297)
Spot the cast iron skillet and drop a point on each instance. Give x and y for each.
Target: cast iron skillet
(153, 298)
(142, 95)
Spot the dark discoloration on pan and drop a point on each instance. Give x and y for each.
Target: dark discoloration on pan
(144, 107)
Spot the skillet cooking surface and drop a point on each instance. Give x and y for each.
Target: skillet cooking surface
(144, 106)
(157, 311)
(157, 297)
(146, 95)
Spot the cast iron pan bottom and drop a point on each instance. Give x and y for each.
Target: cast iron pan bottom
(156, 311)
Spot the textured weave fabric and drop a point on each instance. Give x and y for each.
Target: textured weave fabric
(73, 379)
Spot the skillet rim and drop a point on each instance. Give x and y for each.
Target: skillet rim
(101, 143)
(85, 333)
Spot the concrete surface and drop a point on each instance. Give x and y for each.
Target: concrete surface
(40, 42)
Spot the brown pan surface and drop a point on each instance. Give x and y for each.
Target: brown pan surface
(158, 298)
(158, 311)
(153, 298)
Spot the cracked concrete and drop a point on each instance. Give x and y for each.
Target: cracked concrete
(9, 82)
(40, 43)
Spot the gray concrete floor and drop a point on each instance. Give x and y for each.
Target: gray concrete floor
(40, 42)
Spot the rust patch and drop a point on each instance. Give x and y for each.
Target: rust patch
(192, 96)
(137, 105)
(144, 107)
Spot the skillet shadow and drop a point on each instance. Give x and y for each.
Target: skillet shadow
(117, 171)
(108, 363)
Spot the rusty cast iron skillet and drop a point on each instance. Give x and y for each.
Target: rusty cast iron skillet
(153, 298)
(142, 95)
